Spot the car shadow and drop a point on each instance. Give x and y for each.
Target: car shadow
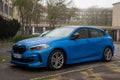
(67, 67)
(30, 69)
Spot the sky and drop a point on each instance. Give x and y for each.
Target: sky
(99, 3)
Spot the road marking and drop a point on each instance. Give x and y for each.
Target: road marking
(114, 67)
(92, 66)
(90, 75)
(40, 78)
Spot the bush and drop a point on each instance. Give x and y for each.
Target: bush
(8, 28)
(21, 37)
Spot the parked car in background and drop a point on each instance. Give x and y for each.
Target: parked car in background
(64, 45)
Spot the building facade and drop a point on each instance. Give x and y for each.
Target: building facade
(6, 10)
(116, 15)
(95, 16)
(116, 20)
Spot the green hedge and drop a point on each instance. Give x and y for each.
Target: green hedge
(8, 28)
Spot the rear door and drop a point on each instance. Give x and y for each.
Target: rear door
(96, 41)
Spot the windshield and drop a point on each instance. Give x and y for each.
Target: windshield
(59, 32)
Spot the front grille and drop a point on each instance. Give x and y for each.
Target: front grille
(19, 49)
(30, 59)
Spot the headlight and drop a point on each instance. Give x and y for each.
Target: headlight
(39, 47)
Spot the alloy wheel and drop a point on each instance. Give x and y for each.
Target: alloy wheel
(107, 54)
(56, 60)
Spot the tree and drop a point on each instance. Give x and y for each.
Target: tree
(58, 12)
(8, 28)
(35, 16)
(97, 16)
(34, 12)
(71, 13)
(24, 6)
(30, 12)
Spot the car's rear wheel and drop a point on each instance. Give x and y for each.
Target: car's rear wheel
(56, 60)
(107, 55)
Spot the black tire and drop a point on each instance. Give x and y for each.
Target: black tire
(56, 60)
(107, 55)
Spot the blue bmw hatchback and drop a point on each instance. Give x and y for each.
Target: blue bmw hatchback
(64, 45)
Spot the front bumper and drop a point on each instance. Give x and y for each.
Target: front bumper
(32, 58)
(37, 64)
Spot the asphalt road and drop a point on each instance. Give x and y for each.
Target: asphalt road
(9, 71)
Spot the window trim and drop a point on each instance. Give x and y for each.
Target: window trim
(97, 31)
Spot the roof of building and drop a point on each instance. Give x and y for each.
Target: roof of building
(116, 3)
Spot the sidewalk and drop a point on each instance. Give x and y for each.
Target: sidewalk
(5, 52)
(5, 48)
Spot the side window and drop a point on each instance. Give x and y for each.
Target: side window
(96, 33)
(101, 33)
(83, 33)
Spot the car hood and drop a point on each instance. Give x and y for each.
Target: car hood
(38, 40)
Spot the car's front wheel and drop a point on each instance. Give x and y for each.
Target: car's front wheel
(107, 55)
(56, 60)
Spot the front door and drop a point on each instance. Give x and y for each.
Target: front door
(80, 48)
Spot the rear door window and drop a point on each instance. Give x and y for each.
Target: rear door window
(96, 32)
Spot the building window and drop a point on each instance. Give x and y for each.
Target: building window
(1, 6)
(6, 9)
(10, 11)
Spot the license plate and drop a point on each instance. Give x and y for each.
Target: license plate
(17, 55)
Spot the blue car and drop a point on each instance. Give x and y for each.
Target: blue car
(64, 45)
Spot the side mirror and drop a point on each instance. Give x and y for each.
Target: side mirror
(74, 37)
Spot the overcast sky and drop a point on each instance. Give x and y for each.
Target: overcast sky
(99, 3)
